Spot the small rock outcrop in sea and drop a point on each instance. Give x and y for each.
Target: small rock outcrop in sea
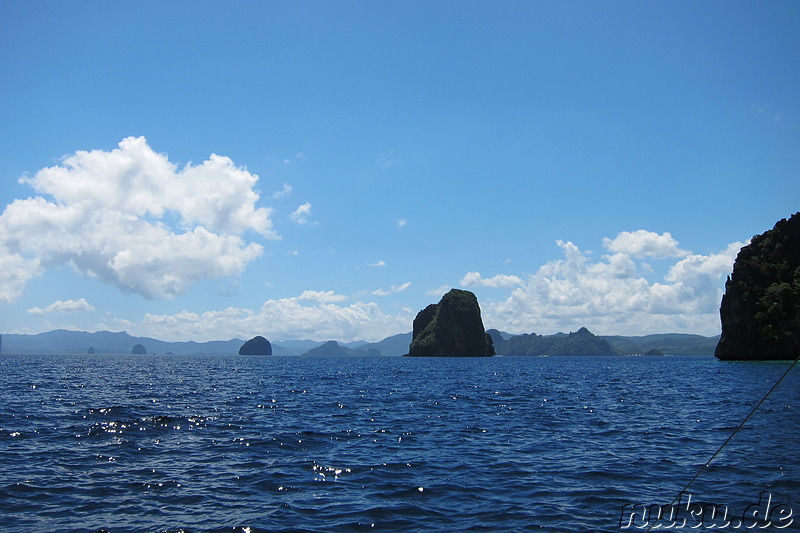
(760, 311)
(138, 349)
(451, 328)
(256, 346)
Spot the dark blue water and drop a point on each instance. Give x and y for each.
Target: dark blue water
(232, 443)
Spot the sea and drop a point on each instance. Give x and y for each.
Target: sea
(179, 443)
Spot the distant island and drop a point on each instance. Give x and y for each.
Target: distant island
(138, 349)
(258, 345)
(106, 342)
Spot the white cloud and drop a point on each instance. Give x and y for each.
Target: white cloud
(643, 243)
(402, 223)
(15, 271)
(302, 215)
(322, 296)
(392, 290)
(612, 296)
(472, 279)
(135, 180)
(380, 263)
(285, 318)
(439, 291)
(286, 190)
(131, 218)
(65, 306)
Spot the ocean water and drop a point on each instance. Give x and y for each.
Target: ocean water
(233, 443)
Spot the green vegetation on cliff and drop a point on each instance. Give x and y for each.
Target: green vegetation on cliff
(760, 311)
(451, 328)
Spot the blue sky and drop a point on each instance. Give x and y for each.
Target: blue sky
(325, 170)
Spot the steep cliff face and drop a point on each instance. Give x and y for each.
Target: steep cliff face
(451, 328)
(760, 311)
(256, 346)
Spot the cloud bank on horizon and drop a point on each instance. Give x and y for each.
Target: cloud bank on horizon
(130, 218)
(613, 293)
(610, 296)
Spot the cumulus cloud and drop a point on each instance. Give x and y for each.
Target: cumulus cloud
(613, 296)
(380, 263)
(65, 306)
(135, 180)
(302, 215)
(130, 217)
(642, 243)
(322, 296)
(285, 318)
(402, 223)
(473, 279)
(392, 290)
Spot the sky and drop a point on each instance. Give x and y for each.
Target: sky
(324, 170)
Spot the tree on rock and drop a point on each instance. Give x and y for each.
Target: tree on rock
(760, 311)
(451, 328)
(256, 346)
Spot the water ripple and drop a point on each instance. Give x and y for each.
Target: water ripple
(175, 443)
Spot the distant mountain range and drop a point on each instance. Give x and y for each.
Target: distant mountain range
(334, 349)
(664, 343)
(582, 342)
(80, 342)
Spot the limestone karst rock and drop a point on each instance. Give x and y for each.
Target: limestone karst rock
(760, 311)
(451, 328)
(258, 345)
(138, 349)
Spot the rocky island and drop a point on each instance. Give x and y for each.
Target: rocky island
(256, 346)
(451, 328)
(760, 310)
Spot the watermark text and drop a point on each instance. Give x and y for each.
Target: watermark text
(689, 514)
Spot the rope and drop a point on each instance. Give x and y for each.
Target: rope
(735, 431)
